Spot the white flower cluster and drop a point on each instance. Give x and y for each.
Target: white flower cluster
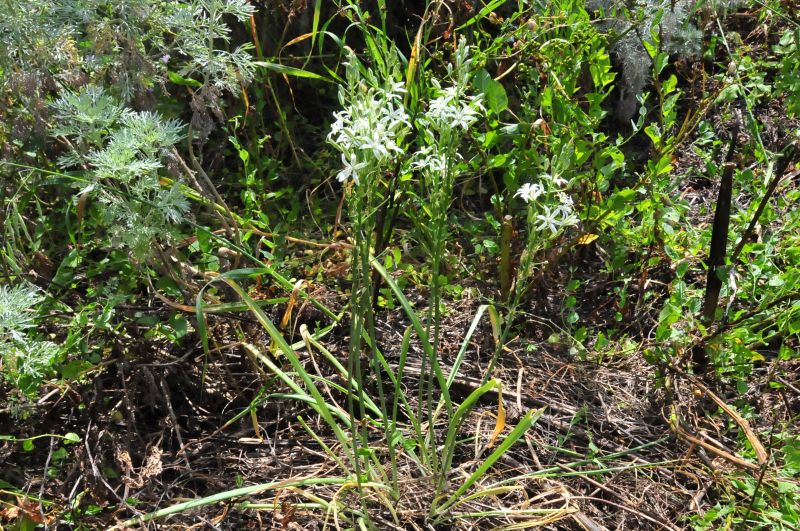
(448, 117)
(555, 210)
(452, 110)
(558, 217)
(530, 192)
(429, 159)
(371, 126)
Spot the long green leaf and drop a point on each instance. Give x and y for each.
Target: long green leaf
(487, 9)
(520, 429)
(454, 425)
(465, 344)
(322, 408)
(290, 71)
(310, 341)
(315, 21)
(418, 328)
(228, 495)
(299, 393)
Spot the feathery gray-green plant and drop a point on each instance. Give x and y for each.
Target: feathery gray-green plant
(200, 29)
(123, 152)
(133, 43)
(133, 49)
(632, 23)
(25, 359)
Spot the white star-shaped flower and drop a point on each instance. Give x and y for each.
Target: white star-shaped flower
(378, 144)
(351, 168)
(463, 117)
(529, 192)
(549, 220)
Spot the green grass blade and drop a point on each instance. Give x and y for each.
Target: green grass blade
(370, 404)
(322, 444)
(299, 393)
(465, 344)
(518, 431)
(454, 425)
(228, 495)
(291, 356)
(399, 395)
(483, 13)
(315, 21)
(419, 328)
(290, 71)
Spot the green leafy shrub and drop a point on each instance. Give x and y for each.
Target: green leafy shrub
(94, 156)
(788, 81)
(135, 49)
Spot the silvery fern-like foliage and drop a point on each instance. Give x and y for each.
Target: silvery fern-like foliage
(136, 147)
(635, 21)
(33, 359)
(131, 44)
(124, 151)
(85, 117)
(198, 25)
(16, 316)
(32, 36)
(131, 48)
(23, 357)
(72, 41)
(100, 58)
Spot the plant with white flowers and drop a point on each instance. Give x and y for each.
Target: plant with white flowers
(550, 212)
(550, 208)
(369, 132)
(443, 126)
(371, 126)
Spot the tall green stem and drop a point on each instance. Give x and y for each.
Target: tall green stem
(357, 307)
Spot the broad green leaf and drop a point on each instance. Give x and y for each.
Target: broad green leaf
(168, 286)
(493, 92)
(178, 79)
